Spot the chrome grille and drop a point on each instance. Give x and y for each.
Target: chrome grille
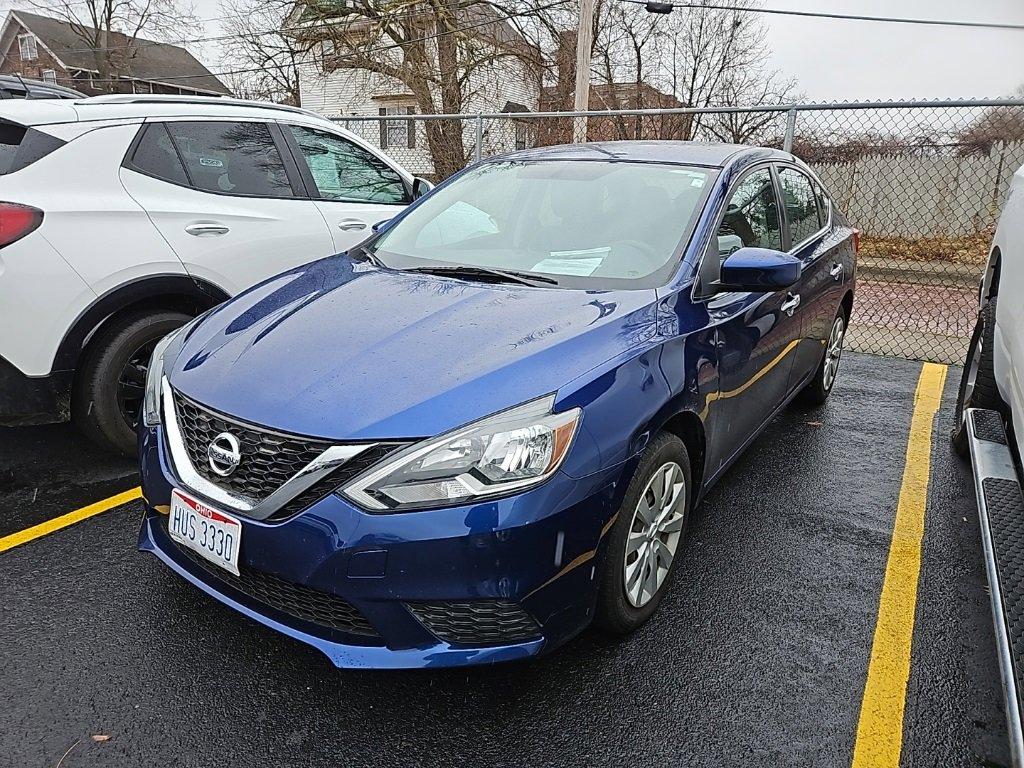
(268, 458)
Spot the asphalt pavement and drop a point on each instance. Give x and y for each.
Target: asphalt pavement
(757, 657)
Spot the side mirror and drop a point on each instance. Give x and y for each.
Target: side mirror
(758, 270)
(420, 187)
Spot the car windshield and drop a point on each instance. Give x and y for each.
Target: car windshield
(582, 223)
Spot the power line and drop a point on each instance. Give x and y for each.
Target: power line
(378, 49)
(658, 7)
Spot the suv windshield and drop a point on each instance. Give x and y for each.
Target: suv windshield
(582, 223)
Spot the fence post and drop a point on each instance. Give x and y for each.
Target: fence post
(478, 153)
(787, 143)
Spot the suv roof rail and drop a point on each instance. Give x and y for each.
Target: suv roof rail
(128, 98)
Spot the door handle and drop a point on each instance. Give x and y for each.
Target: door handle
(790, 304)
(351, 225)
(206, 229)
(836, 271)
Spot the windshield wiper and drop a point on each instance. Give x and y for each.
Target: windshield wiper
(365, 254)
(486, 273)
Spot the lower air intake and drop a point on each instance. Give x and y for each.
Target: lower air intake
(477, 622)
(296, 600)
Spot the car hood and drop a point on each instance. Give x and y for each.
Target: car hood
(347, 351)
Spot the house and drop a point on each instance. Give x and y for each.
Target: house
(510, 83)
(615, 96)
(48, 49)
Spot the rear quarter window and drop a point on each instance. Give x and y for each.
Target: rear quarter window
(21, 146)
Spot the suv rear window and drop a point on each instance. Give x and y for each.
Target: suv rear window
(21, 146)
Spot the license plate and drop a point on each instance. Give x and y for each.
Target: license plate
(208, 532)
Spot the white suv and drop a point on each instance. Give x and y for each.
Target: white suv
(123, 216)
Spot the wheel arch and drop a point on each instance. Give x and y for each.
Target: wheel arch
(847, 305)
(688, 427)
(177, 292)
(990, 279)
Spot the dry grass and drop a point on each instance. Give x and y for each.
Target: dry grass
(967, 249)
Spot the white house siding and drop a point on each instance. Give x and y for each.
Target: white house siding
(356, 92)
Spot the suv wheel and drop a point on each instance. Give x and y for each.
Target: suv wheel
(110, 382)
(978, 382)
(645, 539)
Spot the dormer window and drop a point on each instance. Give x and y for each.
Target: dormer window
(27, 45)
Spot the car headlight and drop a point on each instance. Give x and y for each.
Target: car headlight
(155, 375)
(509, 451)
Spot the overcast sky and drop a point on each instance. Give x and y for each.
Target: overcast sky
(852, 60)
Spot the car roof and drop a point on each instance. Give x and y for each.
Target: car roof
(39, 87)
(140, 106)
(683, 152)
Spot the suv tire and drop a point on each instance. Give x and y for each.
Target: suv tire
(982, 392)
(110, 374)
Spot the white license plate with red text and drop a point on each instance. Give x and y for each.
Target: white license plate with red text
(208, 532)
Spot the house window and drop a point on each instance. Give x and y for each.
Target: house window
(49, 76)
(397, 134)
(27, 45)
(326, 49)
(522, 136)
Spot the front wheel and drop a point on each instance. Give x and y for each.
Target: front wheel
(110, 382)
(818, 389)
(645, 539)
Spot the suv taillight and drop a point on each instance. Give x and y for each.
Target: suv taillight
(16, 221)
(856, 241)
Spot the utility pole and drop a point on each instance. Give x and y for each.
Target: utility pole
(584, 42)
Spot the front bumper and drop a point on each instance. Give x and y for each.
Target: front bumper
(535, 553)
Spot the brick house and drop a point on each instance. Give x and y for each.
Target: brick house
(48, 49)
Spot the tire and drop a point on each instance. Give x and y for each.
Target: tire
(100, 404)
(617, 611)
(978, 382)
(817, 390)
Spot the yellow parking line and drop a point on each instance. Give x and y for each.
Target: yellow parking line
(880, 729)
(28, 534)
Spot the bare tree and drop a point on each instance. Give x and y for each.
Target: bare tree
(111, 29)
(994, 125)
(267, 58)
(751, 87)
(702, 57)
(437, 50)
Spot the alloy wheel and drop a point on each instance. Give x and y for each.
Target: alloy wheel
(131, 383)
(654, 534)
(833, 352)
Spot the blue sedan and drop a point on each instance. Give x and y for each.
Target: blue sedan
(487, 426)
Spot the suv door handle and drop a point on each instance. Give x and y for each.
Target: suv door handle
(206, 229)
(351, 225)
(836, 271)
(789, 305)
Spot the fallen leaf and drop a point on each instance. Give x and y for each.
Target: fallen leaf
(814, 423)
(100, 737)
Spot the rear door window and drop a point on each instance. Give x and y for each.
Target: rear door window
(801, 205)
(231, 158)
(155, 156)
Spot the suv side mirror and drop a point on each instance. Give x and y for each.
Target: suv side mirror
(420, 187)
(758, 270)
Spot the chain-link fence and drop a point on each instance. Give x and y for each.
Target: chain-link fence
(924, 182)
